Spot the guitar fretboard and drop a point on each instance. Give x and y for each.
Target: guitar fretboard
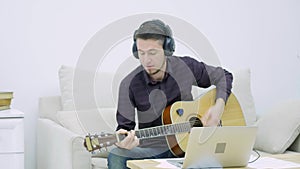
(165, 130)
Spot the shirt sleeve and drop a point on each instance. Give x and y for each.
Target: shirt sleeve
(126, 112)
(206, 75)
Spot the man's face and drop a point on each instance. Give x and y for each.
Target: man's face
(151, 54)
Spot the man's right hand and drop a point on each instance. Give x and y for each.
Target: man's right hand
(130, 140)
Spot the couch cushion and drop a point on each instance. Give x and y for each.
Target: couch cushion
(66, 75)
(241, 88)
(105, 88)
(279, 127)
(103, 120)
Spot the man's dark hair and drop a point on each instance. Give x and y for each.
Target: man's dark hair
(151, 36)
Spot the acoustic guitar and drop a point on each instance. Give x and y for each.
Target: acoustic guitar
(177, 120)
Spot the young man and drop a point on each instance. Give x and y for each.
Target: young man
(158, 82)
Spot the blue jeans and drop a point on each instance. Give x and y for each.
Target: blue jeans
(117, 157)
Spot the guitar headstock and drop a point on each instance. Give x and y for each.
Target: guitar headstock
(97, 142)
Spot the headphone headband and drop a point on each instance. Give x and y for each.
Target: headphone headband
(153, 27)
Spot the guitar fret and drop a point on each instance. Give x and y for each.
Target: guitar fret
(178, 128)
(168, 129)
(174, 130)
(171, 130)
(156, 133)
(142, 133)
(164, 130)
(182, 129)
(159, 131)
(137, 134)
(188, 127)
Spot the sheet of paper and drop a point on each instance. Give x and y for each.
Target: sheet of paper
(268, 162)
(165, 164)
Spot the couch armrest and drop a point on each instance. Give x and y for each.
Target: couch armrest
(58, 147)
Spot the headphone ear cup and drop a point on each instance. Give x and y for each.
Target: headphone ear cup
(134, 50)
(169, 46)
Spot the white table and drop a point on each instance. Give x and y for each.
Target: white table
(11, 139)
(159, 164)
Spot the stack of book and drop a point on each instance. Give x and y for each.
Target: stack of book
(5, 100)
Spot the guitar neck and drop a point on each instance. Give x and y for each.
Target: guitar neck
(164, 130)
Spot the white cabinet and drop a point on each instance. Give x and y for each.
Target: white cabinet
(11, 139)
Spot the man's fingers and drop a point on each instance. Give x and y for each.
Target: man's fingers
(122, 131)
(130, 141)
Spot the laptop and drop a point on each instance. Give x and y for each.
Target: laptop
(217, 147)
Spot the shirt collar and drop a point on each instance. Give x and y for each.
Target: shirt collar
(169, 70)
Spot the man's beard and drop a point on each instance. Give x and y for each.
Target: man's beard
(153, 72)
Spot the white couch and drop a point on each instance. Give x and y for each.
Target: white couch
(61, 130)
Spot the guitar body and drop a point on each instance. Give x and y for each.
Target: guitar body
(183, 111)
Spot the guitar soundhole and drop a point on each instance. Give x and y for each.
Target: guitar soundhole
(195, 122)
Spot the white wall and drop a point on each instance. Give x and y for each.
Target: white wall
(36, 37)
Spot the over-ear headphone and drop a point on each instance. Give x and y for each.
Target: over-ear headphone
(155, 27)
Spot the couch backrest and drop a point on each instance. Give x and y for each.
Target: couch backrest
(48, 106)
(104, 95)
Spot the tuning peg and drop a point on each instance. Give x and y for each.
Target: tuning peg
(103, 149)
